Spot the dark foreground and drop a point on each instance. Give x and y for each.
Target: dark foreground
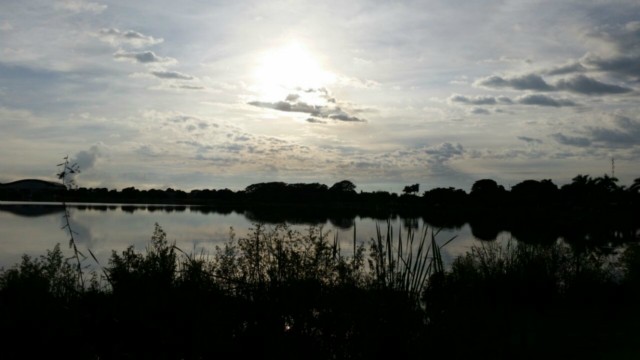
(285, 295)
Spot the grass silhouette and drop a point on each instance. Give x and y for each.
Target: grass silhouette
(282, 293)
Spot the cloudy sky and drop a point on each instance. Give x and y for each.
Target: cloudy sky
(214, 94)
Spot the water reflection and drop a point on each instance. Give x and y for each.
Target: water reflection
(34, 227)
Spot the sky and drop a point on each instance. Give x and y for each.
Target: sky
(198, 94)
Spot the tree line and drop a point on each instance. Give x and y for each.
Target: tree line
(584, 191)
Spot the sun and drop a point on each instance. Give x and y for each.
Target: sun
(289, 68)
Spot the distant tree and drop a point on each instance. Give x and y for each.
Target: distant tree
(635, 188)
(411, 189)
(261, 189)
(306, 192)
(533, 191)
(445, 197)
(344, 186)
(592, 192)
(487, 191)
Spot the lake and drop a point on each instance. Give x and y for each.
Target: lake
(33, 228)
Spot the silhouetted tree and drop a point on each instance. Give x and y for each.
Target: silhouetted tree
(445, 197)
(269, 191)
(343, 190)
(591, 192)
(411, 189)
(531, 192)
(344, 186)
(307, 192)
(635, 188)
(487, 192)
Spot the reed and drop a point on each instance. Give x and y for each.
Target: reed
(408, 262)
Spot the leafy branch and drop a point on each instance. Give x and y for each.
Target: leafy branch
(66, 174)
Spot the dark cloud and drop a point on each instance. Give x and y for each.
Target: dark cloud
(528, 99)
(288, 106)
(543, 100)
(145, 57)
(524, 82)
(623, 132)
(86, 159)
(292, 103)
(504, 100)
(445, 152)
(569, 68)
(530, 140)
(172, 75)
(478, 100)
(127, 37)
(626, 133)
(338, 114)
(480, 111)
(625, 37)
(582, 84)
(623, 64)
(624, 59)
(316, 121)
(571, 141)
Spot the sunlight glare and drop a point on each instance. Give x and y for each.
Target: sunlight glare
(289, 68)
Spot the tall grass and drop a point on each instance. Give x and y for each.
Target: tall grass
(405, 264)
(284, 293)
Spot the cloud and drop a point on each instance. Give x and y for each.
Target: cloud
(524, 82)
(626, 132)
(86, 159)
(568, 68)
(543, 100)
(328, 110)
(445, 152)
(530, 140)
(622, 64)
(131, 38)
(622, 132)
(571, 141)
(292, 97)
(79, 6)
(504, 100)
(148, 150)
(338, 114)
(582, 84)
(624, 37)
(188, 87)
(478, 100)
(145, 57)
(164, 74)
(621, 57)
(508, 59)
(528, 99)
(480, 111)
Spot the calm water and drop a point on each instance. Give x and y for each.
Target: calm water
(28, 228)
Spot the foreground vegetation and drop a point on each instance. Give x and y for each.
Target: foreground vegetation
(279, 293)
